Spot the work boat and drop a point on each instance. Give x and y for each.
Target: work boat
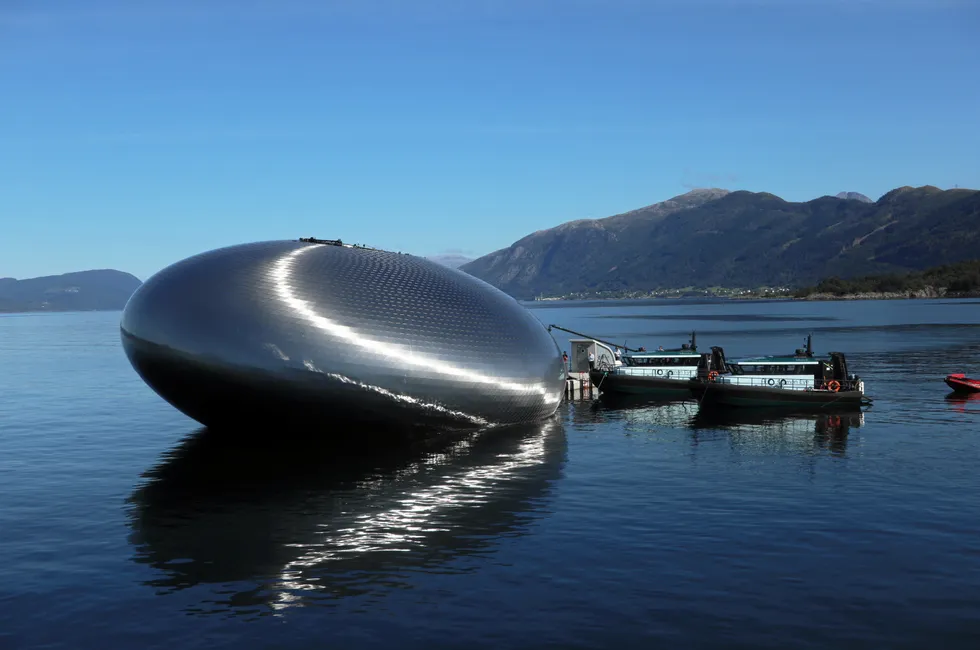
(793, 380)
(661, 372)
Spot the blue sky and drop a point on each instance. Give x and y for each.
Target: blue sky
(134, 134)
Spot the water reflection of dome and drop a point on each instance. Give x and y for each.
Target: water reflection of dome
(296, 527)
(773, 428)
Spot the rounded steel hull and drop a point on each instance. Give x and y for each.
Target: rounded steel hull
(311, 334)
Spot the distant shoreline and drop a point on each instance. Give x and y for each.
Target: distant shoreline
(912, 295)
(56, 311)
(814, 297)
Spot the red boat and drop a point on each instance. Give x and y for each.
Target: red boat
(962, 384)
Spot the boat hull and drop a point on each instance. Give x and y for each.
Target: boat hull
(723, 394)
(314, 334)
(615, 383)
(962, 384)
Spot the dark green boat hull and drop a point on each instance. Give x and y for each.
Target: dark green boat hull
(607, 382)
(715, 393)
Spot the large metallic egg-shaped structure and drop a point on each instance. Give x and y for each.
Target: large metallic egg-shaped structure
(313, 332)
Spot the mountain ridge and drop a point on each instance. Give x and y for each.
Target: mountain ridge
(91, 290)
(739, 238)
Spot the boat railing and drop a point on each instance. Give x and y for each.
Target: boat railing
(844, 384)
(789, 382)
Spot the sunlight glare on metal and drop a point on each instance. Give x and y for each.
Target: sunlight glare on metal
(282, 276)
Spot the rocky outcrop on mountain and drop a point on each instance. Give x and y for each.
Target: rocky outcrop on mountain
(857, 196)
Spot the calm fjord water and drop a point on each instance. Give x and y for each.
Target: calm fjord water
(124, 524)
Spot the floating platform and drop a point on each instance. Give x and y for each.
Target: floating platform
(578, 386)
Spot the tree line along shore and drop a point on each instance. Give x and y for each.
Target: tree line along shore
(961, 280)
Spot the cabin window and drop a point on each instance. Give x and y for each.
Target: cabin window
(774, 369)
(663, 362)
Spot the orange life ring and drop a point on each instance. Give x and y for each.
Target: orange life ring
(834, 385)
(712, 375)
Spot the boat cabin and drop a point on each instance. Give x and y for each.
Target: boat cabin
(664, 359)
(678, 363)
(578, 360)
(800, 371)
